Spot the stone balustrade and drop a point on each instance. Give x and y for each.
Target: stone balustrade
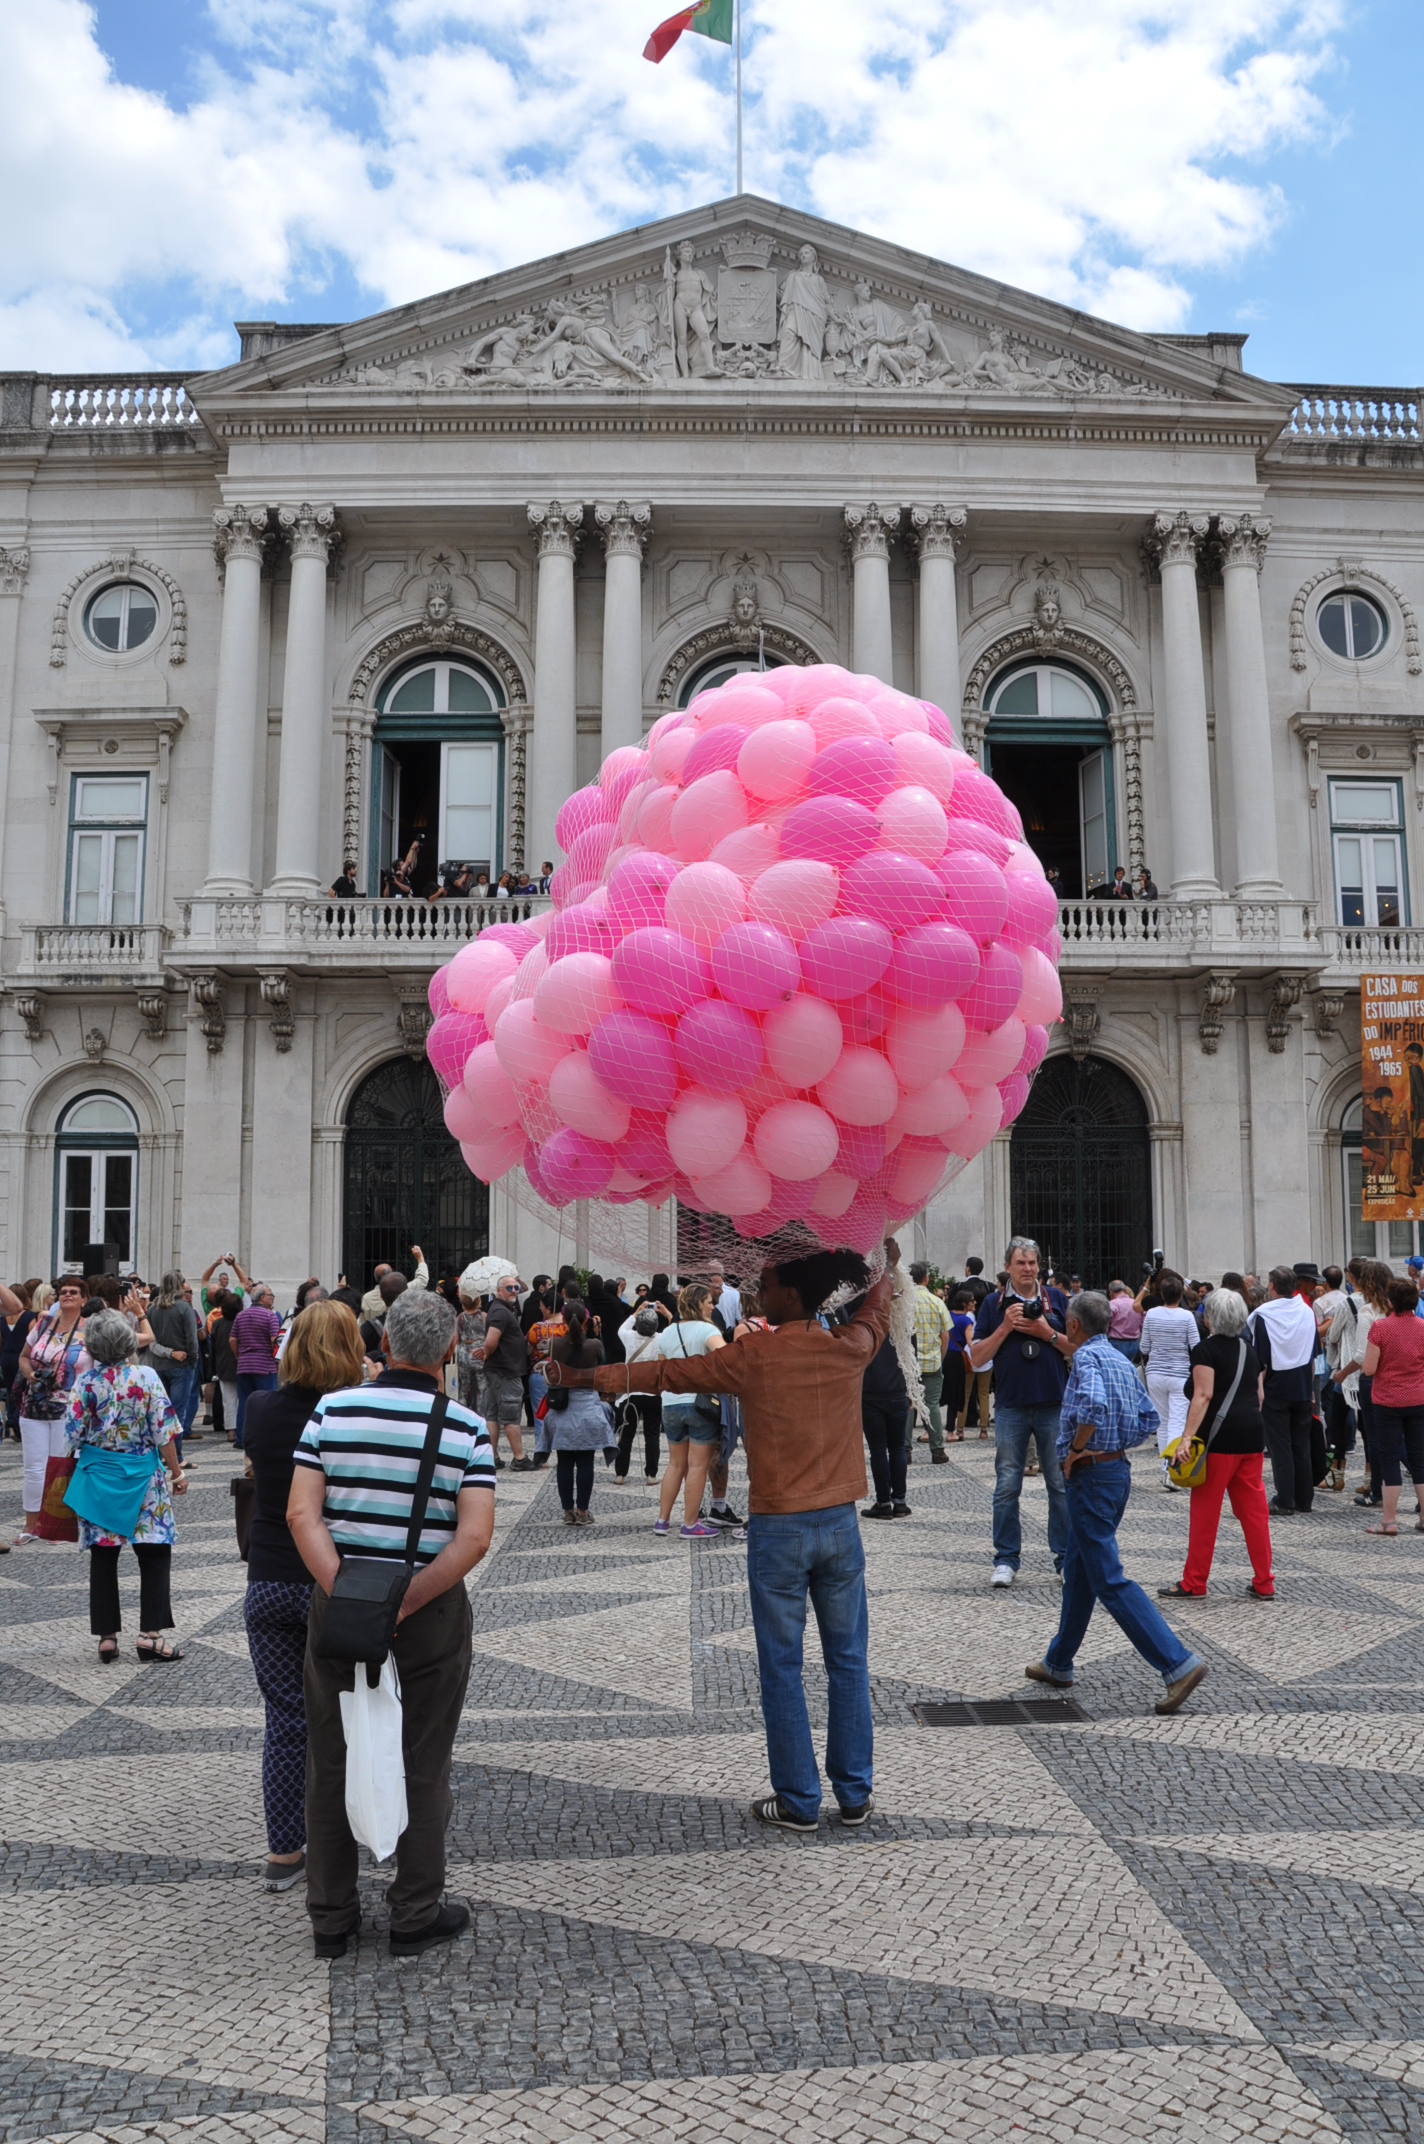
(86, 953)
(337, 935)
(1361, 414)
(148, 402)
(1349, 952)
(1142, 937)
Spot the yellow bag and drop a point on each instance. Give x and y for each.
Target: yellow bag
(1186, 1462)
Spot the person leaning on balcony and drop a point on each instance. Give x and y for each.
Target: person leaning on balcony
(344, 888)
(1147, 886)
(1121, 887)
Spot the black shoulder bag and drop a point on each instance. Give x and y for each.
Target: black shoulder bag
(365, 1602)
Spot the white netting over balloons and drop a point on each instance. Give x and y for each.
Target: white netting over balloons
(800, 969)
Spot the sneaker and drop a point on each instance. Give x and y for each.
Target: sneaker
(701, 1531)
(1179, 1691)
(1037, 1672)
(661, 1526)
(899, 1509)
(452, 1920)
(281, 1875)
(770, 1810)
(583, 1518)
(939, 1458)
(568, 1518)
(1004, 1574)
(854, 1818)
(877, 1511)
(521, 1466)
(726, 1519)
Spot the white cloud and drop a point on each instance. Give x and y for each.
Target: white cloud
(1098, 151)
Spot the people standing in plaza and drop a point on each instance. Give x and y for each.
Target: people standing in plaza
(978, 1384)
(799, 1384)
(506, 1363)
(174, 1352)
(353, 1495)
(934, 1329)
(1105, 1414)
(224, 1361)
(956, 1363)
(582, 1423)
(1284, 1337)
(1164, 1347)
(211, 1290)
(123, 1431)
(1225, 1412)
(1020, 1335)
(52, 1358)
(693, 1431)
(255, 1332)
(639, 1410)
(373, 1302)
(1345, 1353)
(1394, 1364)
(323, 1354)
(14, 1332)
(1125, 1330)
(886, 1418)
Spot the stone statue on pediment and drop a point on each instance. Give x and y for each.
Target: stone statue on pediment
(690, 309)
(638, 329)
(997, 367)
(927, 354)
(495, 360)
(577, 344)
(805, 316)
(870, 335)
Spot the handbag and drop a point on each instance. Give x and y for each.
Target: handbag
(1187, 1469)
(707, 1404)
(244, 1496)
(55, 1521)
(366, 1595)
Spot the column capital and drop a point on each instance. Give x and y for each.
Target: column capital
(14, 565)
(935, 529)
(625, 529)
(558, 529)
(311, 531)
(239, 532)
(870, 530)
(1174, 539)
(1243, 539)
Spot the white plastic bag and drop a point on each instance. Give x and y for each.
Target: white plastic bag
(375, 1762)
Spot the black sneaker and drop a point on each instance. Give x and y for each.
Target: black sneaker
(521, 1466)
(899, 1509)
(727, 1519)
(939, 1458)
(771, 1811)
(856, 1817)
(877, 1511)
(452, 1920)
(331, 1946)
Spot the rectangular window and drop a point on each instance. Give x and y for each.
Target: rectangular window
(96, 1205)
(107, 829)
(469, 783)
(1366, 832)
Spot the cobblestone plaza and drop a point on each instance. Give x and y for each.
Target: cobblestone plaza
(1125, 1927)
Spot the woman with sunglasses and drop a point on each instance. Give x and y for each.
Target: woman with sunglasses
(52, 1358)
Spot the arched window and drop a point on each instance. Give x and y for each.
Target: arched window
(1080, 1171)
(1049, 748)
(406, 1180)
(96, 1186)
(439, 772)
(717, 672)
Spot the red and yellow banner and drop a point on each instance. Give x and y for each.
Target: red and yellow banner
(1392, 1077)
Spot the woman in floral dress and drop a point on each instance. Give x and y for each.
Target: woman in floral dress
(117, 1406)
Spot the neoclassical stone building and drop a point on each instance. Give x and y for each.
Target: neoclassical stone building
(393, 588)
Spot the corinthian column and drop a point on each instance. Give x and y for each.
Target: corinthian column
(936, 532)
(625, 530)
(311, 531)
(553, 771)
(14, 565)
(1174, 542)
(869, 531)
(1243, 553)
(241, 531)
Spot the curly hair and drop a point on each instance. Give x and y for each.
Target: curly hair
(819, 1275)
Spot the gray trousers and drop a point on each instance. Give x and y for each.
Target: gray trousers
(432, 1656)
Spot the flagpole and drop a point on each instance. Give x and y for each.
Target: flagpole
(738, 4)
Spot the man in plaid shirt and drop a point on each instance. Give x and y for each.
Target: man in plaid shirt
(933, 1327)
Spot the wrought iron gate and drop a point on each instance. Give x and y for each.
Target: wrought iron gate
(405, 1180)
(1080, 1171)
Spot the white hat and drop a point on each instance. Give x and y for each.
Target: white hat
(484, 1275)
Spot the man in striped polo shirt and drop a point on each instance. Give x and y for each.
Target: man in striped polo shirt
(352, 1492)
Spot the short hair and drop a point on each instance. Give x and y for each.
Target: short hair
(109, 1337)
(377, 1271)
(229, 1303)
(1403, 1298)
(1091, 1310)
(919, 1273)
(390, 1285)
(1236, 1283)
(974, 1265)
(1118, 1287)
(688, 1298)
(1022, 1243)
(69, 1280)
(1333, 1275)
(324, 1352)
(1282, 1280)
(1225, 1311)
(106, 1288)
(962, 1299)
(1169, 1287)
(420, 1326)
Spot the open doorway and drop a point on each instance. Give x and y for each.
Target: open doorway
(1062, 795)
(437, 814)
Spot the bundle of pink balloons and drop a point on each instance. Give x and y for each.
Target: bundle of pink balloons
(801, 966)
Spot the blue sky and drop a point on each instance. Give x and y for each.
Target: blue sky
(1177, 164)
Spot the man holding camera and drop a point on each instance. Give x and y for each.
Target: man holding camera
(1021, 1334)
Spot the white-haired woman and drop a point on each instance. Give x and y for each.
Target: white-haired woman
(121, 1428)
(1224, 1388)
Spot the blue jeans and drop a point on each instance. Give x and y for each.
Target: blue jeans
(1097, 1498)
(791, 1555)
(249, 1382)
(1013, 1426)
(1129, 1348)
(184, 1393)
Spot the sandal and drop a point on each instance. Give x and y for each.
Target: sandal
(158, 1650)
(108, 1651)
(1164, 1592)
(1381, 1529)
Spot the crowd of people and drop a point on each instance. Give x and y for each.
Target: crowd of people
(409, 879)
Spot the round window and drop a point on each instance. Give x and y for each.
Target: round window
(1351, 625)
(122, 617)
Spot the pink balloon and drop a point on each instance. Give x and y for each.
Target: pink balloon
(997, 990)
(861, 768)
(796, 1140)
(625, 766)
(796, 895)
(713, 749)
(585, 808)
(495, 1153)
(775, 760)
(592, 850)
(1041, 999)
(896, 889)
(719, 1046)
(705, 899)
(706, 812)
(976, 894)
(527, 1051)
(637, 890)
(749, 851)
(923, 763)
(933, 964)
(1014, 1092)
(574, 993)
(1024, 862)
(579, 1098)
(489, 1087)
(932, 1110)
(832, 830)
(922, 1045)
(450, 1042)
(498, 998)
(575, 1166)
(464, 1119)
(939, 722)
(866, 1018)
(581, 929)
(755, 966)
(971, 834)
(1035, 1049)
(529, 974)
(899, 715)
(840, 717)
(705, 1131)
(742, 700)
(633, 1056)
(919, 1166)
(988, 1058)
(437, 993)
(744, 1186)
(521, 938)
(667, 754)
(862, 1149)
(654, 828)
(986, 1115)
(633, 804)
(1032, 908)
(914, 822)
(643, 1150)
(846, 956)
(660, 971)
(976, 797)
(474, 971)
(860, 1088)
(803, 1039)
(864, 1223)
(833, 1195)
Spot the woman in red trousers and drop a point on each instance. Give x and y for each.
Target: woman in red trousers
(1224, 1369)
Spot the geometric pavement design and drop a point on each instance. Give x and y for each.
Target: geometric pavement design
(1209, 1928)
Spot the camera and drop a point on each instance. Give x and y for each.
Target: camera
(1033, 1310)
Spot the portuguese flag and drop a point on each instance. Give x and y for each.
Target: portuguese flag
(709, 18)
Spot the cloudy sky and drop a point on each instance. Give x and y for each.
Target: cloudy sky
(168, 165)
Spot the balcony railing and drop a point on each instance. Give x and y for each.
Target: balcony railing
(1183, 935)
(153, 402)
(340, 934)
(1354, 952)
(61, 953)
(1357, 414)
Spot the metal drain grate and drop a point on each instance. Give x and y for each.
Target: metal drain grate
(1002, 1712)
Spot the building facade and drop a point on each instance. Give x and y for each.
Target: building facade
(392, 589)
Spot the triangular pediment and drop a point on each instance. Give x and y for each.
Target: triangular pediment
(729, 299)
